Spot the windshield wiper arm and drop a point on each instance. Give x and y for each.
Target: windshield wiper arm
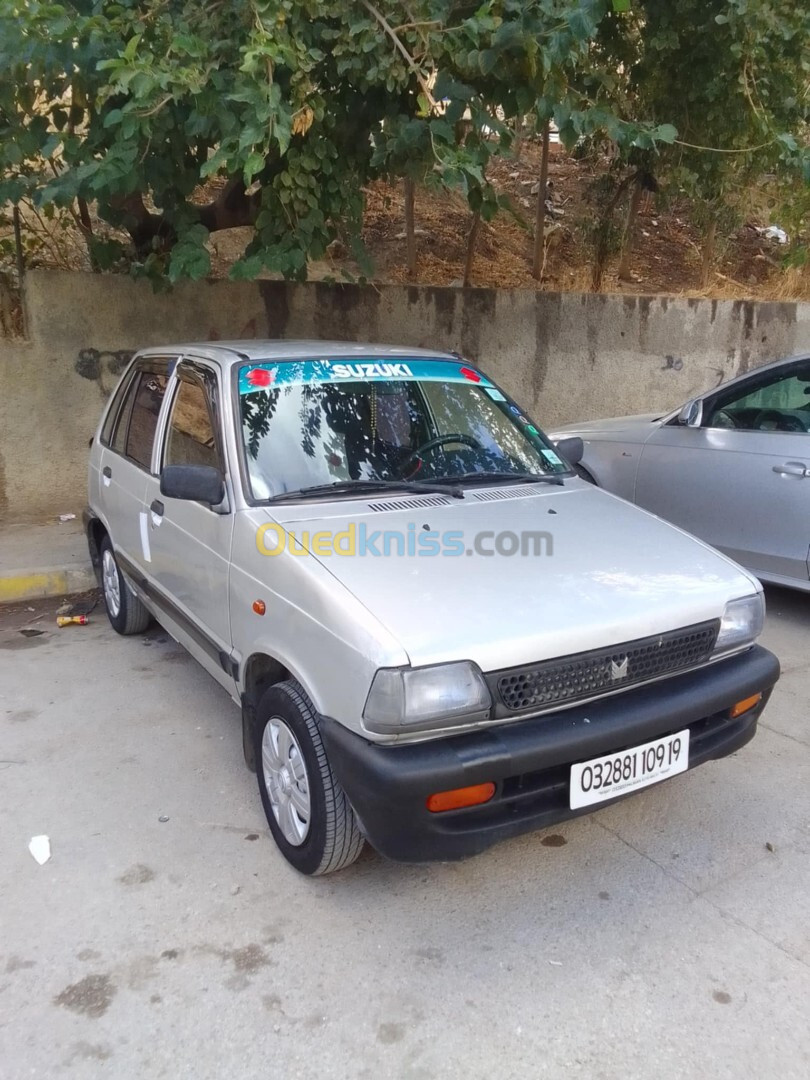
(341, 487)
(484, 477)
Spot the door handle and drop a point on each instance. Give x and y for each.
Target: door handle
(157, 507)
(107, 471)
(792, 468)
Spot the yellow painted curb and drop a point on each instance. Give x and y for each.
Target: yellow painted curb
(57, 582)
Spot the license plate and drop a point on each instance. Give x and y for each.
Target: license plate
(617, 774)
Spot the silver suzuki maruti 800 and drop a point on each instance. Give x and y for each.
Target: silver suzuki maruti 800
(438, 634)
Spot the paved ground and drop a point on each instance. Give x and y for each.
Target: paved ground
(668, 936)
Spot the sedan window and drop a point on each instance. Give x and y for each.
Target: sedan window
(776, 401)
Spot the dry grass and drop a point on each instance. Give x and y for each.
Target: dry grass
(666, 257)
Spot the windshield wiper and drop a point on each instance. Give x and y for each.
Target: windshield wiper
(499, 477)
(348, 487)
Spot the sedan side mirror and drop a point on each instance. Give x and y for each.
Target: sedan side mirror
(691, 414)
(571, 449)
(197, 483)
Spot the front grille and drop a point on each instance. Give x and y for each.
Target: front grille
(584, 675)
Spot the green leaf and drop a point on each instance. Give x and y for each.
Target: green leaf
(253, 165)
(487, 59)
(665, 133)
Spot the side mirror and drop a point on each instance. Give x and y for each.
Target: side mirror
(691, 414)
(571, 449)
(197, 483)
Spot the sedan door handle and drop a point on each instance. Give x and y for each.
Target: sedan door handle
(792, 468)
(107, 471)
(157, 507)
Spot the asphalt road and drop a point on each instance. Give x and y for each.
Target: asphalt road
(667, 936)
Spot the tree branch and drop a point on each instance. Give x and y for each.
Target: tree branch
(409, 60)
(232, 208)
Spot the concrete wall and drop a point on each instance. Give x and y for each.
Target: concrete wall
(564, 356)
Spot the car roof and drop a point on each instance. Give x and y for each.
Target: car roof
(236, 352)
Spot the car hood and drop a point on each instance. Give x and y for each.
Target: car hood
(611, 572)
(619, 426)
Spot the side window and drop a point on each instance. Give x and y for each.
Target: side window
(119, 438)
(191, 438)
(144, 417)
(115, 407)
(778, 401)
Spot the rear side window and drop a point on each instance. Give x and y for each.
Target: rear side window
(115, 408)
(119, 438)
(144, 417)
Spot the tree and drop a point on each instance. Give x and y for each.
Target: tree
(284, 108)
(732, 76)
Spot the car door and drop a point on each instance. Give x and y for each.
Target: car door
(190, 542)
(125, 460)
(741, 479)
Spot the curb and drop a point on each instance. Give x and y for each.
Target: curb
(35, 584)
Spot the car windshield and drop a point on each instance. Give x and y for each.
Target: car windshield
(333, 421)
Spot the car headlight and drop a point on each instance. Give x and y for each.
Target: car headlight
(412, 699)
(742, 623)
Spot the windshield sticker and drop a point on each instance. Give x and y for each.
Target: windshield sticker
(257, 378)
(290, 372)
(495, 394)
(552, 458)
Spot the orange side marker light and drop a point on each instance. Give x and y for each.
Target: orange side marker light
(460, 797)
(744, 705)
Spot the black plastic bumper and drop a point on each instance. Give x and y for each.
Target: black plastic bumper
(529, 761)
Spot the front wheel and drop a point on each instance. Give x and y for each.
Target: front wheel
(126, 613)
(309, 815)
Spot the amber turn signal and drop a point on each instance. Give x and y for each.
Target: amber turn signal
(259, 607)
(459, 797)
(745, 705)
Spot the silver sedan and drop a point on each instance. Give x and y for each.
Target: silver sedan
(732, 467)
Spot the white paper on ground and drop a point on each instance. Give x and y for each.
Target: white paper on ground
(40, 848)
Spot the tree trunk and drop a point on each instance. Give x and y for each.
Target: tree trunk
(15, 216)
(517, 142)
(86, 226)
(540, 209)
(410, 238)
(629, 231)
(233, 207)
(708, 253)
(471, 242)
(602, 244)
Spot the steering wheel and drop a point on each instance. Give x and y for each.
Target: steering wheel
(782, 421)
(434, 444)
(723, 419)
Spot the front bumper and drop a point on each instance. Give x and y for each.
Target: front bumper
(529, 760)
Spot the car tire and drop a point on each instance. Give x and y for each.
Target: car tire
(309, 815)
(125, 611)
